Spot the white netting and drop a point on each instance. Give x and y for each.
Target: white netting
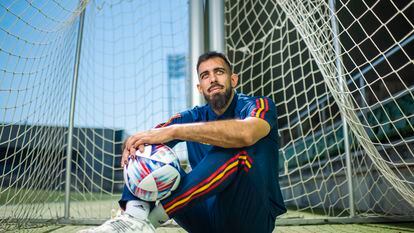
(322, 61)
(132, 69)
(319, 62)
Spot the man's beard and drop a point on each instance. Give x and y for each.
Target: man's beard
(220, 100)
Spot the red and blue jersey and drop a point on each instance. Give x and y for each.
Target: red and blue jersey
(241, 107)
(264, 152)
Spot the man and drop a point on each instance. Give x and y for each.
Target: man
(232, 148)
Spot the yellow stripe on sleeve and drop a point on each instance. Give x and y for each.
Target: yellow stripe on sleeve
(262, 106)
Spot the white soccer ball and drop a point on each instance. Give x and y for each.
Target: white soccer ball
(153, 174)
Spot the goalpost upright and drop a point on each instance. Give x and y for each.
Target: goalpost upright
(197, 46)
(216, 25)
(196, 23)
(72, 113)
(342, 83)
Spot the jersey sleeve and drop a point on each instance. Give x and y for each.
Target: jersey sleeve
(179, 118)
(263, 108)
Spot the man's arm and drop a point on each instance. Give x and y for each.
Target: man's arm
(225, 133)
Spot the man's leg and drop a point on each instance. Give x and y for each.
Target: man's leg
(242, 207)
(240, 203)
(196, 218)
(126, 196)
(193, 219)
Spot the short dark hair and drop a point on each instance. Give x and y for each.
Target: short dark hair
(212, 54)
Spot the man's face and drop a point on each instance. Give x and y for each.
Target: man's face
(216, 82)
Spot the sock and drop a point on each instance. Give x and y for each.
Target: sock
(137, 209)
(158, 215)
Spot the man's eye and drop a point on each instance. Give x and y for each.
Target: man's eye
(219, 72)
(204, 76)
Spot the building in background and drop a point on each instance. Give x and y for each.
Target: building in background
(177, 96)
(29, 153)
(177, 92)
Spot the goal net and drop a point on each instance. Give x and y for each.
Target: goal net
(131, 77)
(340, 73)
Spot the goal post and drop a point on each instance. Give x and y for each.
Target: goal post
(69, 147)
(342, 83)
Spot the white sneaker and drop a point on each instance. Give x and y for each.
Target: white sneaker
(123, 223)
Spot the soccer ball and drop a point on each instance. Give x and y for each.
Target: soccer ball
(153, 174)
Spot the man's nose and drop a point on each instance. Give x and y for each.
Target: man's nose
(213, 78)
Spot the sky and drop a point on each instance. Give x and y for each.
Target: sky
(123, 66)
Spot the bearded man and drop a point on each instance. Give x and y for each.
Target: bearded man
(233, 151)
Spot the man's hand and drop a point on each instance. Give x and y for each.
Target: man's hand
(140, 139)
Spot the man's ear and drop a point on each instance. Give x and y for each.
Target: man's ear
(234, 80)
(199, 89)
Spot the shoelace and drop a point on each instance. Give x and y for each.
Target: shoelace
(120, 225)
